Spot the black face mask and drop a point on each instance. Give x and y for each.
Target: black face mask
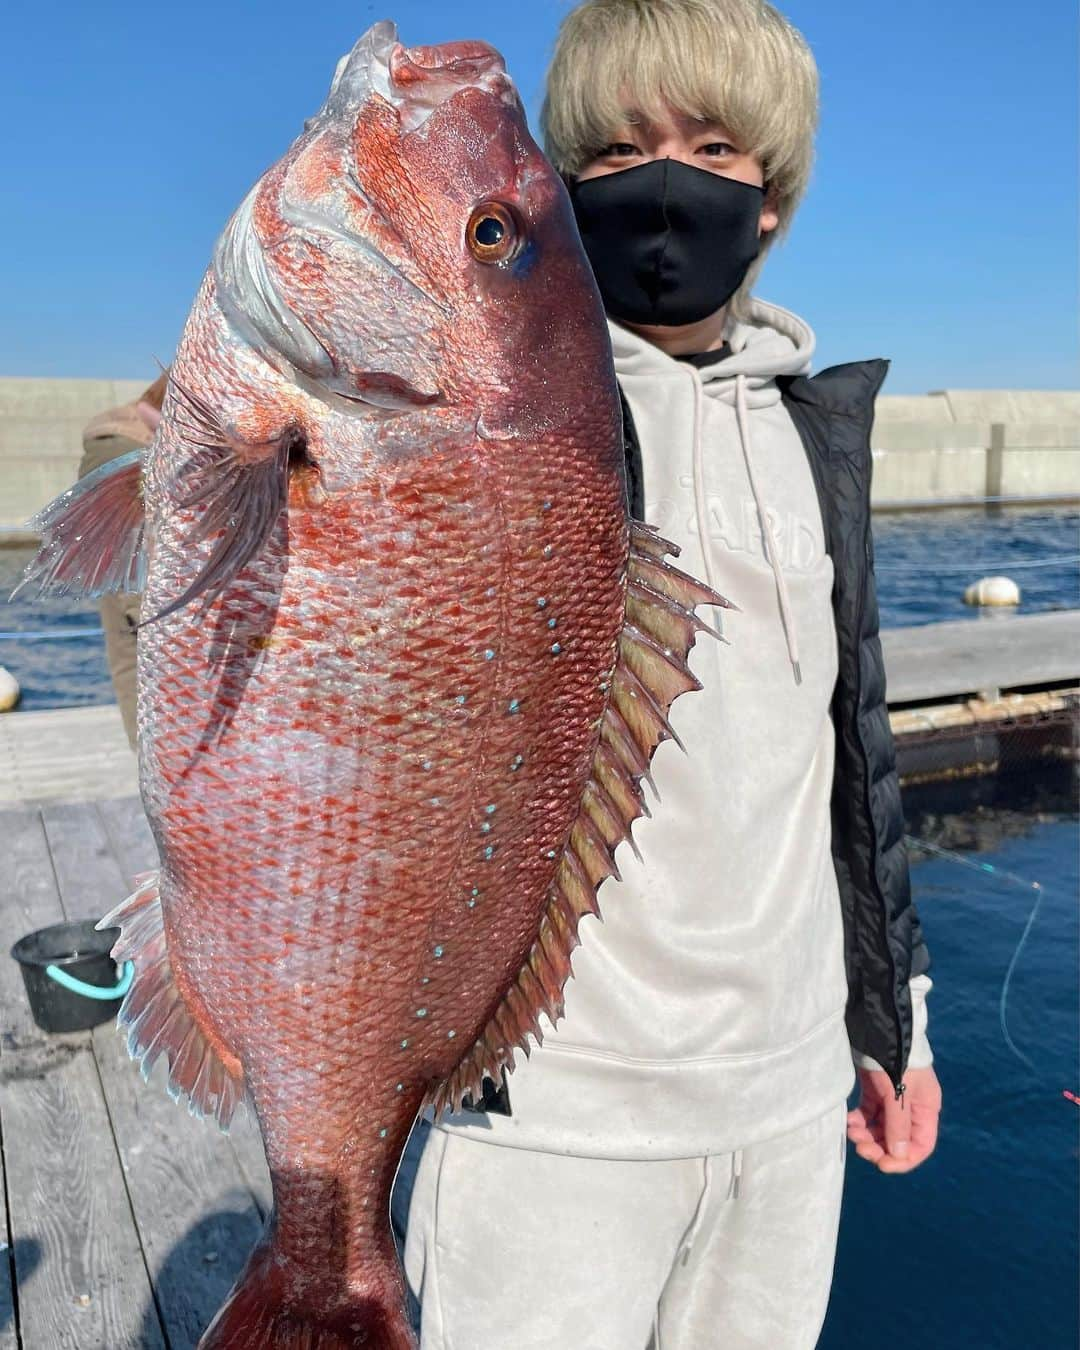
(669, 244)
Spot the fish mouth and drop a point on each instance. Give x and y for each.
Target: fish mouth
(416, 81)
(458, 65)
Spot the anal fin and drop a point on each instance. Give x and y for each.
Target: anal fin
(156, 1018)
(659, 628)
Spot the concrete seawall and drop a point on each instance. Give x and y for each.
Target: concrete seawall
(41, 422)
(949, 447)
(972, 445)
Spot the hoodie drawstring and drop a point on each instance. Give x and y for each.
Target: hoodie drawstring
(701, 507)
(686, 1246)
(687, 1243)
(742, 416)
(736, 1175)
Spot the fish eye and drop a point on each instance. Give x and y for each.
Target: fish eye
(493, 233)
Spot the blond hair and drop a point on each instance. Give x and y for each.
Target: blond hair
(738, 63)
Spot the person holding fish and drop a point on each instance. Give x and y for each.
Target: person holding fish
(106, 437)
(406, 663)
(670, 1172)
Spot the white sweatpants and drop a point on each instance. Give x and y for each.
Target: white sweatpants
(513, 1250)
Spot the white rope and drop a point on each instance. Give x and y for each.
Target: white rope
(46, 635)
(1004, 566)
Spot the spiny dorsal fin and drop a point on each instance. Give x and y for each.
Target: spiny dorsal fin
(651, 672)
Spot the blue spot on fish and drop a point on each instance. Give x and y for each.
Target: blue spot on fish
(405, 1043)
(546, 506)
(438, 950)
(515, 705)
(553, 623)
(542, 602)
(383, 1133)
(489, 852)
(450, 1035)
(490, 808)
(548, 550)
(421, 1012)
(485, 828)
(489, 654)
(556, 648)
(460, 699)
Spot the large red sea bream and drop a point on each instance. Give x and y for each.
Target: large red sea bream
(404, 658)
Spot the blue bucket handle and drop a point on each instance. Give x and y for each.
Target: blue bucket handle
(93, 990)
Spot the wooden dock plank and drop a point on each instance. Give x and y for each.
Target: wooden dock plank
(30, 902)
(90, 879)
(8, 1331)
(82, 1282)
(246, 1142)
(80, 1276)
(951, 660)
(129, 835)
(69, 754)
(195, 1212)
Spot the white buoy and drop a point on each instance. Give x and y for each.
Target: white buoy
(10, 693)
(993, 591)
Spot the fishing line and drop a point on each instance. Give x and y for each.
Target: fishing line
(1004, 566)
(1024, 884)
(56, 634)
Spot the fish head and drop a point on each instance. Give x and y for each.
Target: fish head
(414, 247)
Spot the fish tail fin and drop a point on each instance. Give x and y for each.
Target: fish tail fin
(157, 1019)
(263, 1313)
(92, 534)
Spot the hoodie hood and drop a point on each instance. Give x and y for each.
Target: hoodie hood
(771, 341)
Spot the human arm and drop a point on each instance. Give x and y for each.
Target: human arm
(897, 1134)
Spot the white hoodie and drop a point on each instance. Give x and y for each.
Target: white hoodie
(706, 1012)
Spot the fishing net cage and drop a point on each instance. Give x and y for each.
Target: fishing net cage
(1022, 750)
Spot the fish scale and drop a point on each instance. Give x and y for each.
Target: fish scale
(403, 662)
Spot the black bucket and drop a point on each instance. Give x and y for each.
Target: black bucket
(71, 980)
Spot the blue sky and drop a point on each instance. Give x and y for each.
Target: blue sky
(940, 229)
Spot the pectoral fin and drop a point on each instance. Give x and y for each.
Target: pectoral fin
(92, 534)
(239, 490)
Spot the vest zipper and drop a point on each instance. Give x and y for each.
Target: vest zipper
(898, 1081)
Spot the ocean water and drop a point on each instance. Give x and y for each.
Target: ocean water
(55, 667)
(926, 559)
(978, 1249)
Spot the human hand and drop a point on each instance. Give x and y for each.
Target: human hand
(896, 1136)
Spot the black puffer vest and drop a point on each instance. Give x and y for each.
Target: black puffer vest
(833, 413)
